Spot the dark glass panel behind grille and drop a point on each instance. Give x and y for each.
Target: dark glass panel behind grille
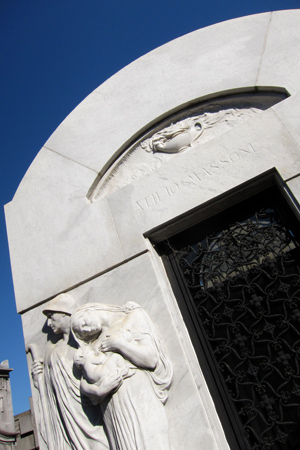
(240, 277)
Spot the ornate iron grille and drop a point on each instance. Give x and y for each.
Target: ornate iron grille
(244, 284)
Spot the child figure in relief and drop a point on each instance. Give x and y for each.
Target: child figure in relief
(102, 373)
(125, 371)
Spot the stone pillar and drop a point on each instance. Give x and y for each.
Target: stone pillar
(7, 425)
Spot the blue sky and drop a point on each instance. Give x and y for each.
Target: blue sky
(53, 53)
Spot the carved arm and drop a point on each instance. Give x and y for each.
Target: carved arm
(98, 391)
(140, 352)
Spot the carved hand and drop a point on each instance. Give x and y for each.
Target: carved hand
(113, 343)
(141, 353)
(109, 384)
(36, 369)
(112, 381)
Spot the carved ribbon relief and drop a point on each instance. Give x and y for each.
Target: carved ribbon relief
(107, 363)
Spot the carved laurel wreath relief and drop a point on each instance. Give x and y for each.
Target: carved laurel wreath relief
(189, 128)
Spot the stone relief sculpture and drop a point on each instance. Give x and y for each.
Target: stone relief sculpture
(177, 137)
(111, 369)
(189, 128)
(186, 133)
(126, 372)
(68, 420)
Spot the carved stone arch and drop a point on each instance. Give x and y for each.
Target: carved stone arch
(62, 242)
(189, 126)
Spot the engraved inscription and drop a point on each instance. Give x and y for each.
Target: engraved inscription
(190, 128)
(194, 179)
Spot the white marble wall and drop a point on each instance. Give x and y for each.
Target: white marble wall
(61, 241)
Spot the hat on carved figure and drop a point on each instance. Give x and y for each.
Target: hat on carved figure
(63, 303)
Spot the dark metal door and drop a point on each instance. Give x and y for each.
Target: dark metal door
(237, 280)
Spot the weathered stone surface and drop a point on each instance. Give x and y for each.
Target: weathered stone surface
(8, 433)
(204, 172)
(65, 236)
(145, 89)
(280, 59)
(50, 212)
(145, 289)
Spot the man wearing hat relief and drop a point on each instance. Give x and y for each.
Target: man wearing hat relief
(74, 421)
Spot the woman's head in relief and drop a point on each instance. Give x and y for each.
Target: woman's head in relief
(86, 325)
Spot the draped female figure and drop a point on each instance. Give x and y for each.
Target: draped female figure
(125, 371)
